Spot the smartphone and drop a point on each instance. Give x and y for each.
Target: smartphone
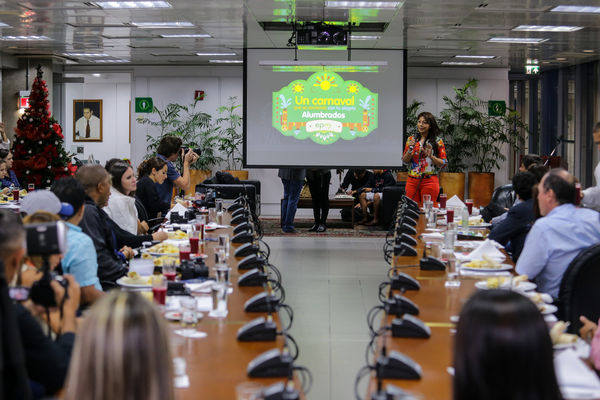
(18, 293)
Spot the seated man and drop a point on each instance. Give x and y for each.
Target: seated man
(372, 193)
(519, 218)
(355, 180)
(562, 232)
(46, 360)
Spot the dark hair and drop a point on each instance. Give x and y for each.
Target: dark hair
(69, 190)
(596, 127)
(169, 145)
(4, 153)
(12, 233)
(90, 176)
(146, 166)
(117, 168)
(434, 130)
(530, 159)
(503, 350)
(523, 183)
(539, 170)
(562, 184)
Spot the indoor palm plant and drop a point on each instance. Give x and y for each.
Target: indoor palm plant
(230, 139)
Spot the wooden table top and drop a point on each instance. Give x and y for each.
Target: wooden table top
(437, 304)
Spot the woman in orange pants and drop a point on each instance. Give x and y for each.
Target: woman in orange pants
(425, 156)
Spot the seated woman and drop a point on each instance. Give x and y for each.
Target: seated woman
(150, 173)
(4, 189)
(11, 178)
(122, 352)
(121, 203)
(503, 350)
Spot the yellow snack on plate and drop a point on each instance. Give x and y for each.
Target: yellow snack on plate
(177, 235)
(159, 262)
(486, 263)
(163, 248)
(558, 335)
(475, 221)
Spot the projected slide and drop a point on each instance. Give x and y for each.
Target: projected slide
(324, 113)
(324, 108)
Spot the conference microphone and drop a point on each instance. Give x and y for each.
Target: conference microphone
(404, 238)
(404, 249)
(235, 206)
(272, 363)
(280, 391)
(402, 281)
(239, 220)
(391, 392)
(397, 366)
(246, 250)
(399, 305)
(253, 277)
(244, 226)
(241, 211)
(262, 302)
(243, 237)
(251, 261)
(408, 220)
(410, 202)
(409, 326)
(411, 213)
(405, 228)
(260, 329)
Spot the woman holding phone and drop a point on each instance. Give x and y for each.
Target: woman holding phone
(425, 156)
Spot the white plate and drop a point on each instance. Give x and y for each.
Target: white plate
(523, 286)
(503, 267)
(549, 309)
(481, 225)
(562, 346)
(153, 254)
(546, 298)
(176, 315)
(123, 283)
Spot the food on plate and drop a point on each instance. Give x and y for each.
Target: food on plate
(164, 248)
(475, 221)
(177, 235)
(486, 263)
(499, 281)
(133, 278)
(558, 335)
(159, 262)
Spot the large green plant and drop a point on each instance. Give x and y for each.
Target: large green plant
(195, 128)
(230, 138)
(472, 137)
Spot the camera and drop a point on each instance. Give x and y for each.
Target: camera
(193, 269)
(45, 239)
(197, 150)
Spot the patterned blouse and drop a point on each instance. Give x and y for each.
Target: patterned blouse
(421, 166)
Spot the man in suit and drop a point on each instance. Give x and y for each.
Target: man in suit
(513, 229)
(88, 126)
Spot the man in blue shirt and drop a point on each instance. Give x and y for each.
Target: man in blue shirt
(169, 150)
(560, 235)
(80, 259)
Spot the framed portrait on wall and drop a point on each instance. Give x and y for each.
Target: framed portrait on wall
(87, 120)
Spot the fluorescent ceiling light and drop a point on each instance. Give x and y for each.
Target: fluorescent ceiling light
(473, 56)
(186, 35)
(161, 25)
(132, 4)
(364, 37)
(96, 75)
(215, 54)
(226, 61)
(24, 38)
(86, 54)
(461, 63)
(116, 60)
(588, 51)
(547, 28)
(362, 4)
(516, 40)
(577, 9)
(3, 25)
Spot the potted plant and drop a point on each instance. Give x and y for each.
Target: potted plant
(229, 138)
(196, 130)
(411, 129)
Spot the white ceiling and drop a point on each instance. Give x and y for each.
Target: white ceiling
(432, 31)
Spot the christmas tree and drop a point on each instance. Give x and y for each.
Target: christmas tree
(39, 154)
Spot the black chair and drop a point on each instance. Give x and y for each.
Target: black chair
(504, 196)
(391, 197)
(580, 289)
(234, 190)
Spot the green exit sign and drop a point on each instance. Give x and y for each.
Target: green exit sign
(143, 104)
(496, 108)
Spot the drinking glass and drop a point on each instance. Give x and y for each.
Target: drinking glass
(219, 205)
(450, 215)
(443, 198)
(194, 241)
(431, 218)
(223, 241)
(219, 298)
(220, 255)
(184, 251)
(426, 198)
(427, 205)
(31, 187)
(469, 204)
(159, 289)
(15, 194)
(212, 215)
(169, 269)
(189, 318)
(222, 272)
(452, 275)
(449, 237)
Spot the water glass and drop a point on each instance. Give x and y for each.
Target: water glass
(436, 250)
(219, 206)
(31, 187)
(212, 215)
(452, 274)
(449, 237)
(432, 218)
(426, 198)
(223, 241)
(219, 298)
(222, 272)
(427, 205)
(169, 269)
(189, 313)
(220, 255)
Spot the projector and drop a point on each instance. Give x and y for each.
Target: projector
(321, 35)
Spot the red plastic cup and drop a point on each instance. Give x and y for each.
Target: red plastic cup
(577, 193)
(443, 198)
(15, 194)
(194, 242)
(449, 215)
(469, 204)
(170, 276)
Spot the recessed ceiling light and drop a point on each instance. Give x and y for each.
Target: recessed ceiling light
(364, 37)
(132, 4)
(473, 56)
(561, 59)
(362, 4)
(577, 9)
(96, 75)
(226, 61)
(161, 25)
(588, 51)
(547, 28)
(216, 54)
(24, 38)
(186, 35)
(86, 54)
(115, 60)
(516, 40)
(461, 63)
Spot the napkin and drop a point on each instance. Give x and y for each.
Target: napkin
(177, 208)
(433, 235)
(455, 201)
(488, 248)
(576, 380)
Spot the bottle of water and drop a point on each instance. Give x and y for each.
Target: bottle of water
(465, 219)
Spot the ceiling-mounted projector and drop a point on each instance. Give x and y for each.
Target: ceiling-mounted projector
(321, 35)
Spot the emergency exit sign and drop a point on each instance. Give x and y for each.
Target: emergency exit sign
(143, 104)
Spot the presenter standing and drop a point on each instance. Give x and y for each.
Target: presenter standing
(318, 182)
(425, 156)
(292, 179)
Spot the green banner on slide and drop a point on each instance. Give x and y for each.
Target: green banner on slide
(325, 108)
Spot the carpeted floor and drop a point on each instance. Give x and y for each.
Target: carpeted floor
(335, 228)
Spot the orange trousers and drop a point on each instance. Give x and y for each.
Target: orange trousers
(416, 188)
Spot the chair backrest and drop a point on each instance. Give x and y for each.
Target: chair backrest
(580, 288)
(504, 196)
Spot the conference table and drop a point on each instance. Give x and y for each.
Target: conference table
(439, 306)
(217, 363)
